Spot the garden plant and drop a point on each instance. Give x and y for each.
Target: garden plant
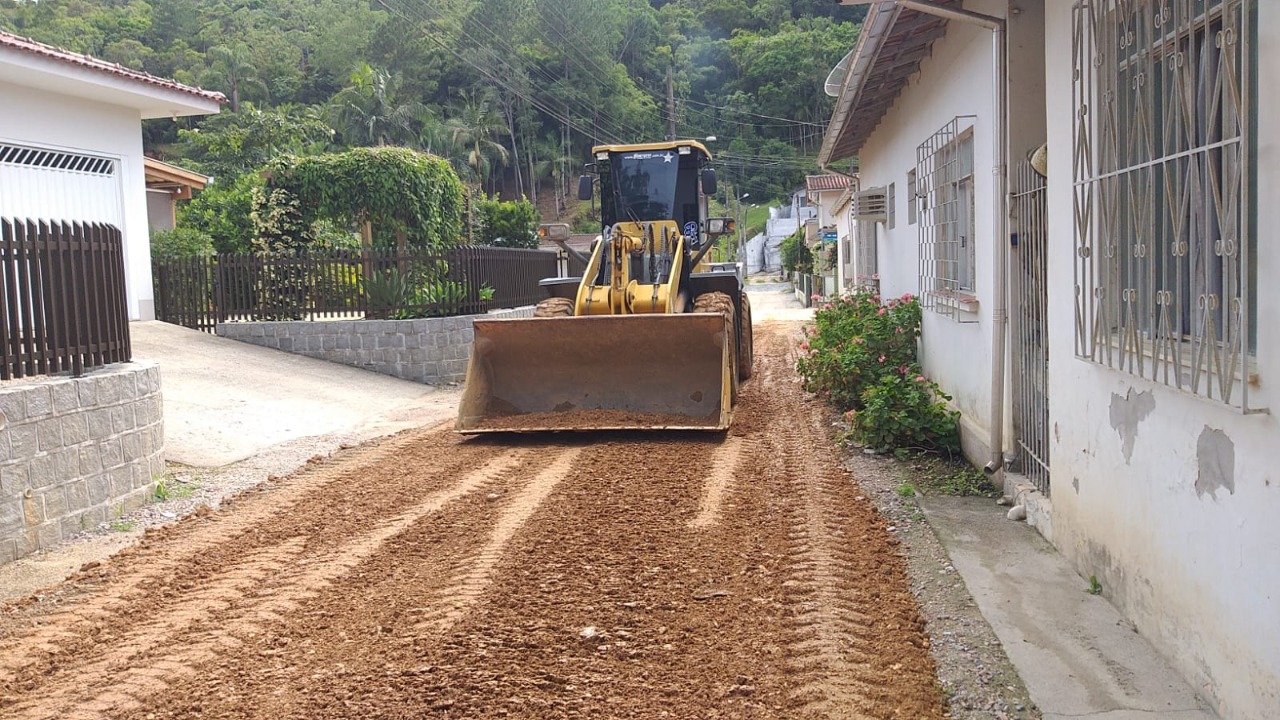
(861, 356)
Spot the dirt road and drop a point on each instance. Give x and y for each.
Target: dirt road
(565, 576)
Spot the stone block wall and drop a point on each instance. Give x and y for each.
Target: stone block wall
(433, 351)
(76, 452)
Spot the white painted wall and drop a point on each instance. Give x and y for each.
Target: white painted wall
(955, 80)
(34, 117)
(1197, 574)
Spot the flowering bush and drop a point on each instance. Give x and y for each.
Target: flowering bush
(861, 356)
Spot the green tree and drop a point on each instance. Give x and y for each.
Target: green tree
(233, 68)
(372, 111)
(473, 124)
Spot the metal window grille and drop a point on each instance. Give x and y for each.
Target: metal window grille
(944, 185)
(1165, 248)
(866, 273)
(57, 186)
(1029, 316)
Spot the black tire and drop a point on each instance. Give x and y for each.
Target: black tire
(554, 307)
(746, 349)
(718, 302)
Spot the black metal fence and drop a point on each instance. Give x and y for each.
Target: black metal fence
(201, 291)
(63, 307)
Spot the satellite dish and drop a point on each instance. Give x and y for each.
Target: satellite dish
(836, 79)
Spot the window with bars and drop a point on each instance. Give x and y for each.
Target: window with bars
(944, 187)
(1163, 155)
(891, 202)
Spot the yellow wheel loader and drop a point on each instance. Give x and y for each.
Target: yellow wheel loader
(653, 336)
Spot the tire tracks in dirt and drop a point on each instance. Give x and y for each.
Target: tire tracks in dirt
(603, 575)
(209, 616)
(844, 653)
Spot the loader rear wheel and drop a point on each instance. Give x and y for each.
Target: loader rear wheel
(718, 302)
(554, 307)
(746, 350)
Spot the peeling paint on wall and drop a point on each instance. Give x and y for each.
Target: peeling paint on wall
(1216, 457)
(1126, 413)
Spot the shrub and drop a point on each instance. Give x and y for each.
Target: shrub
(902, 412)
(796, 256)
(507, 224)
(861, 357)
(180, 242)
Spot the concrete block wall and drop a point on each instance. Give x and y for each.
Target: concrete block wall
(76, 452)
(433, 351)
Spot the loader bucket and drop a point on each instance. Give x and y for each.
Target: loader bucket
(604, 372)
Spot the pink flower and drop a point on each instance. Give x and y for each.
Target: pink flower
(826, 306)
(882, 358)
(804, 345)
(881, 311)
(920, 378)
(876, 276)
(859, 341)
(815, 297)
(898, 330)
(876, 297)
(902, 369)
(908, 297)
(849, 416)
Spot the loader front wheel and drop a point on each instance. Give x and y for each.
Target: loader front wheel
(554, 307)
(718, 302)
(746, 350)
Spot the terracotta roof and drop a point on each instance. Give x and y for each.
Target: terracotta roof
(890, 47)
(26, 45)
(818, 183)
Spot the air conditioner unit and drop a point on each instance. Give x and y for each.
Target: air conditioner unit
(871, 204)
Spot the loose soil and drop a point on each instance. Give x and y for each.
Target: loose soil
(584, 575)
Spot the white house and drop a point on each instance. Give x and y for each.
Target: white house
(1076, 191)
(71, 144)
(831, 195)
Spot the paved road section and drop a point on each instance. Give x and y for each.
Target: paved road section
(225, 401)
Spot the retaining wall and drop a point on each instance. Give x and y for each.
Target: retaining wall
(433, 351)
(77, 452)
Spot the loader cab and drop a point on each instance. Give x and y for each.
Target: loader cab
(662, 181)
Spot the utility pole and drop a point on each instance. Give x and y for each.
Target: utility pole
(671, 105)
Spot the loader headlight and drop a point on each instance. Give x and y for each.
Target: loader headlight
(553, 231)
(720, 226)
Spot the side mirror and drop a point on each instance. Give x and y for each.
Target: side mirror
(708, 182)
(584, 187)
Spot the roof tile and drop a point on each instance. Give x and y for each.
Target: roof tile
(27, 45)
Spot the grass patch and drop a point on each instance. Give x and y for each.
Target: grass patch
(1095, 587)
(906, 490)
(174, 489)
(932, 475)
(123, 525)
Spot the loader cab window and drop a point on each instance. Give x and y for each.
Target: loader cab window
(639, 186)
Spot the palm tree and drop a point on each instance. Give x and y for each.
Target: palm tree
(234, 68)
(473, 124)
(370, 111)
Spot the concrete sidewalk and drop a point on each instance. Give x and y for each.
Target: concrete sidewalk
(1077, 656)
(226, 401)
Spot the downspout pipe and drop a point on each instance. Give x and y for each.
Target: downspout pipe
(1000, 176)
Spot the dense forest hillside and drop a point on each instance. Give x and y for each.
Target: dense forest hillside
(512, 92)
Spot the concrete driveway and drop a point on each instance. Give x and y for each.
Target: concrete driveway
(225, 401)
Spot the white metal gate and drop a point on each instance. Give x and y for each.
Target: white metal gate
(1030, 327)
(58, 186)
